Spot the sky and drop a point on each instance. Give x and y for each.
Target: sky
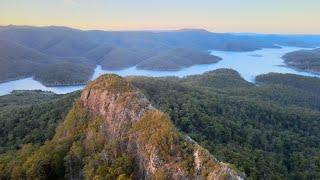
(260, 16)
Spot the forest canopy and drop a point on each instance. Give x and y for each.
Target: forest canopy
(268, 131)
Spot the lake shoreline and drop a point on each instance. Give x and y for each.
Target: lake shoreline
(248, 66)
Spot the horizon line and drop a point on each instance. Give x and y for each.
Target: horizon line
(147, 29)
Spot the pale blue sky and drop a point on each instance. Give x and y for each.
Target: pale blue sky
(267, 16)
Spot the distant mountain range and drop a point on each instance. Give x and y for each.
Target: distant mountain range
(65, 56)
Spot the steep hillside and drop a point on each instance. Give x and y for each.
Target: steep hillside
(31, 117)
(18, 61)
(118, 50)
(112, 132)
(63, 41)
(269, 131)
(97, 54)
(176, 59)
(120, 58)
(52, 40)
(220, 78)
(310, 85)
(305, 60)
(66, 71)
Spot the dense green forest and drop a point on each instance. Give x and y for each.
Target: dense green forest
(306, 60)
(115, 142)
(268, 131)
(18, 61)
(31, 117)
(307, 84)
(176, 59)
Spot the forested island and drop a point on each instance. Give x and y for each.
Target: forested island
(176, 59)
(305, 60)
(65, 56)
(159, 90)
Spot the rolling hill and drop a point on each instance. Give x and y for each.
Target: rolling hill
(305, 60)
(267, 131)
(18, 62)
(176, 59)
(113, 132)
(44, 48)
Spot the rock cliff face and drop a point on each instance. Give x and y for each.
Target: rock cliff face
(147, 135)
(113, 132)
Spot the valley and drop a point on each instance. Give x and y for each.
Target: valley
(159, 90)
(266, 130)
(279, 105)
(244, 108)
(249, 66)
(61, 56)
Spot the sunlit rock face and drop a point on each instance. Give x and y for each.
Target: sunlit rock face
(146, 134)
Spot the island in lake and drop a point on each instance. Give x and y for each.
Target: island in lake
(305, 60)
(58, 56)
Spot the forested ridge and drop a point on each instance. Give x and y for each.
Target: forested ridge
(305, 60)
(268, 130)
(113, 132)
(31, 117)
(65, 56)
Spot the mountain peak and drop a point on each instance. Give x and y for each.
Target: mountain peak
(198, 30)
(113, 132)
(110, 82)
(147, 134)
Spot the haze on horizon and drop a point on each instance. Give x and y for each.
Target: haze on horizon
(265, 16)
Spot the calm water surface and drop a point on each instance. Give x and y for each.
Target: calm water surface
(248, 64)
(31, 84)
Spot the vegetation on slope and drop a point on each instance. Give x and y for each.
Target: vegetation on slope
(87, 146)
(18, 61)
(307, 84)
(43, 52)
(31, 117)
(96, 54)
(269, 131)
(121, 58)
(176, 59)
(306, 60)
(68, 153)
(68, 71)
(111, 83)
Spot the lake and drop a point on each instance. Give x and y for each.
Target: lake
(248, 64)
